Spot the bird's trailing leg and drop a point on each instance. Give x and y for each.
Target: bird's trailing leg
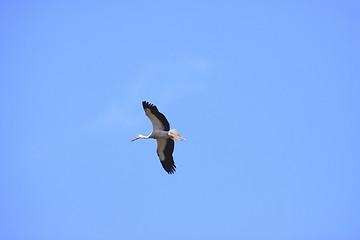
(182, 139)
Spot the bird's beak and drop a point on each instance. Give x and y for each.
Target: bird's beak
(135, 139)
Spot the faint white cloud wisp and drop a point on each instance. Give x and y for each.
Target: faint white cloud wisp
(115, 116)
(199, 65)
(157, 82)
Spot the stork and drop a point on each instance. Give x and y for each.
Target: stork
(163, 135)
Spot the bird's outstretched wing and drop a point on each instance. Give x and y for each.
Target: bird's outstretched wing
(165, 148)
(157, 119)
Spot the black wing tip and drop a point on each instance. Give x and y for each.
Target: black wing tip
(170, 170)
(148, 105)
(169, 165)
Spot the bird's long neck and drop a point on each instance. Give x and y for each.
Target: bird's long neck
(142, 136)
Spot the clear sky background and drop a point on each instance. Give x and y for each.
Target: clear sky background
(266, 93)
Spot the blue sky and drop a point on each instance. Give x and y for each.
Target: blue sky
(266, 94)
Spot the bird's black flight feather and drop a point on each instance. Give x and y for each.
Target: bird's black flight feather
(169, 164)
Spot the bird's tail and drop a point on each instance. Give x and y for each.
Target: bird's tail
(174, 134)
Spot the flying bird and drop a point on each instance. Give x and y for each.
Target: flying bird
(163, 135)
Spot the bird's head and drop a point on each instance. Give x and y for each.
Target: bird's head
(137, 137)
